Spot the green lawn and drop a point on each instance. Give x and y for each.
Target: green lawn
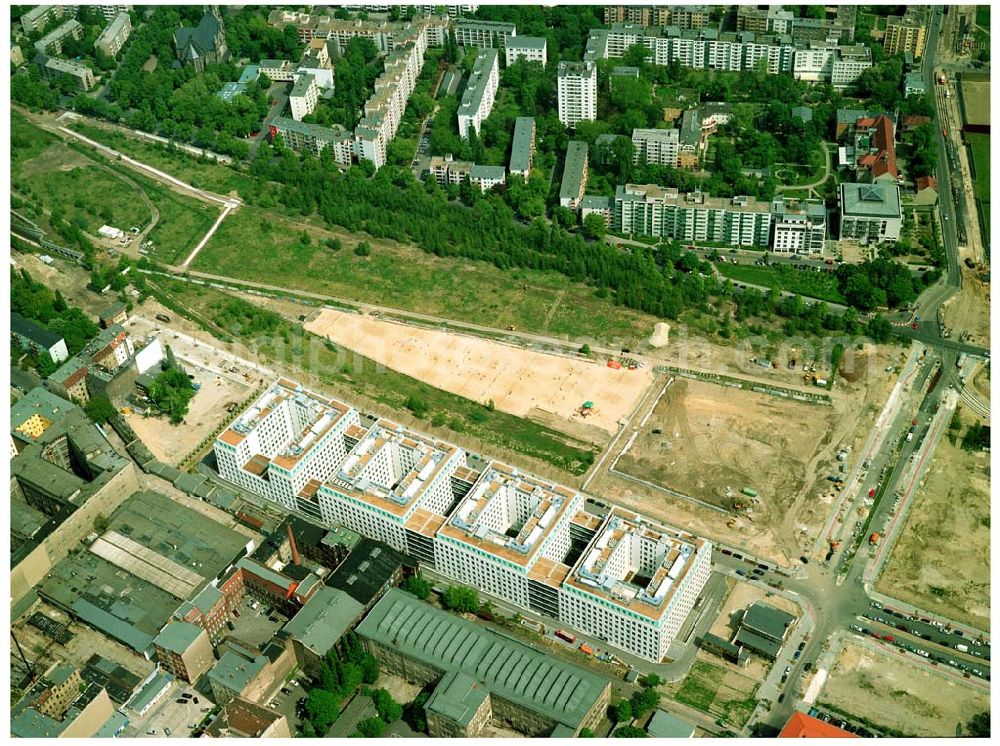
(983, 16)
(91, 197)
(979, 144)
(269, 247)
(299, 353)
(722, 694)
(820, 285)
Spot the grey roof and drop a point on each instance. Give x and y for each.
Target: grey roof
(114, 28)
(112, 310)
(625, 71)
(113, 726)
(915, 80)
(177, 637)
(667, 725)
(803, 112)
(150, 691)
(758, 644)
(250, 74)
(660, 135)
(287, 124)
(498, 173)
(520, 149)
(475, 89)
(233, 671)
(39, 401)
(324, 619)
(870, 200)
(596, 202)
(457, 696)
(690, 127)
(33, 331)
(767, 620)
(302, 83)
(508, 668)
(525, 42)
(572, 178)
(201, 38)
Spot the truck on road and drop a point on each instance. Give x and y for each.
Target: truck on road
(873, 539)
(962, 648)
(564, 635)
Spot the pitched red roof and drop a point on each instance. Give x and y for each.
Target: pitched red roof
(800, 725)
(926, 182)
(915, 120)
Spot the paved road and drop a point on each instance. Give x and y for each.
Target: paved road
(814, 184)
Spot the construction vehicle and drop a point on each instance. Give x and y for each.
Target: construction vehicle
(874, 538)
(163, 317)
(586, 649)
(564, 635)
(512, 328)
(731, 523)
(614, 364)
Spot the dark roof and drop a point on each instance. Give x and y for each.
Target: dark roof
(35, 332)
(756, 643)
(200, 39)
(367, 569)
(767, 620)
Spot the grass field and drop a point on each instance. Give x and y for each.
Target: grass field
(286, 346)
(719, 692)
(979, 144)
(404, 277)
(91, 197)
(983, 16)
(810, 284)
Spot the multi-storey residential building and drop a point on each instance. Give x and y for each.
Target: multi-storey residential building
(111, 11)
(574, 178)
(184, 650)
(480, 92)
(799, 227)
(447, 171)
(906, 33)
(482, 34)
(285, 445)
(650, 210)
(314, 139)
(38, 17)
(870, 213)
(522, 148)
(52, 42)
(485, 178)
(114, 35)
(511, 534)
(36, 339)
(596, 205)
(277, 71)
(682, 16)
(776, 20)
(530, 48)
(577, 92)
(656, 146)
(303, 97)
(53, 67)
(753, 18)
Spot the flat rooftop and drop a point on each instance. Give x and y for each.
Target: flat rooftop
(475, 89)
(634, 563)
(508, 514)
(391, 467)
(671, 195)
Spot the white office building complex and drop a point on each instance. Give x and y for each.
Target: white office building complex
(577, 92)
(799, 227)
(651, 210)
(480, 92)
(512, 535)
(656, 146)
(530, 48)
(848, 65)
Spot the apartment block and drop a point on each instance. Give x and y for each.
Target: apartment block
(906, 33)
(574, 177)
(111, 11)
(799, 226)
(577, 92)
(313, 138)
(303, 97)
(513, 535)
(522, 148)
(114, 35)
(52, 42)
(480, 92)
(650, 210)
(870, 213)
(848, 65)
(53, 67)
(447, 171)
(530, 48)
(184, 650)
(682, 16)
(656, 146)
(38, 17)
(485, 178)
(597, 205)
(482, 34)
(36, 339)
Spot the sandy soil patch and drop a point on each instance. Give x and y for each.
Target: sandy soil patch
(741, 596)
(401, 690)
(710, 441)
(892, 692)
(969, 310)
(941, 561)
(518, 381)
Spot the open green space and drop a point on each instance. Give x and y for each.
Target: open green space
(979, 145)
(91, 197)
(721, 693)
(810, 284)
(983, 16)
(396, 275)
(288, 347)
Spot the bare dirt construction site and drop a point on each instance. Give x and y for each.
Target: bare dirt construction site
(969, 309)
(534, 385)
(888, 691)
(941, 561)
(714, 436)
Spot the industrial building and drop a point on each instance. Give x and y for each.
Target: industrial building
(870, 213)
(763, 629)
(514, 536)
(576, 88)
(61, 705)
(480, 92)
(184, 651)
(480, 675)
(319, 625)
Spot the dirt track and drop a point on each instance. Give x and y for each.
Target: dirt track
(521, 382)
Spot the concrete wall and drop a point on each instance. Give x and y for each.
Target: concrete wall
(29, 572)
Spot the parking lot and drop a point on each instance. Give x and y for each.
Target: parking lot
(174, 716)
(253, 626)
(288, 704)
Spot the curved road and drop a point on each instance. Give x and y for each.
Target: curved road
(812, 186)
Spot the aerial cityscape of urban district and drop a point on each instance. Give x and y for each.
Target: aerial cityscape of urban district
(499, 370)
